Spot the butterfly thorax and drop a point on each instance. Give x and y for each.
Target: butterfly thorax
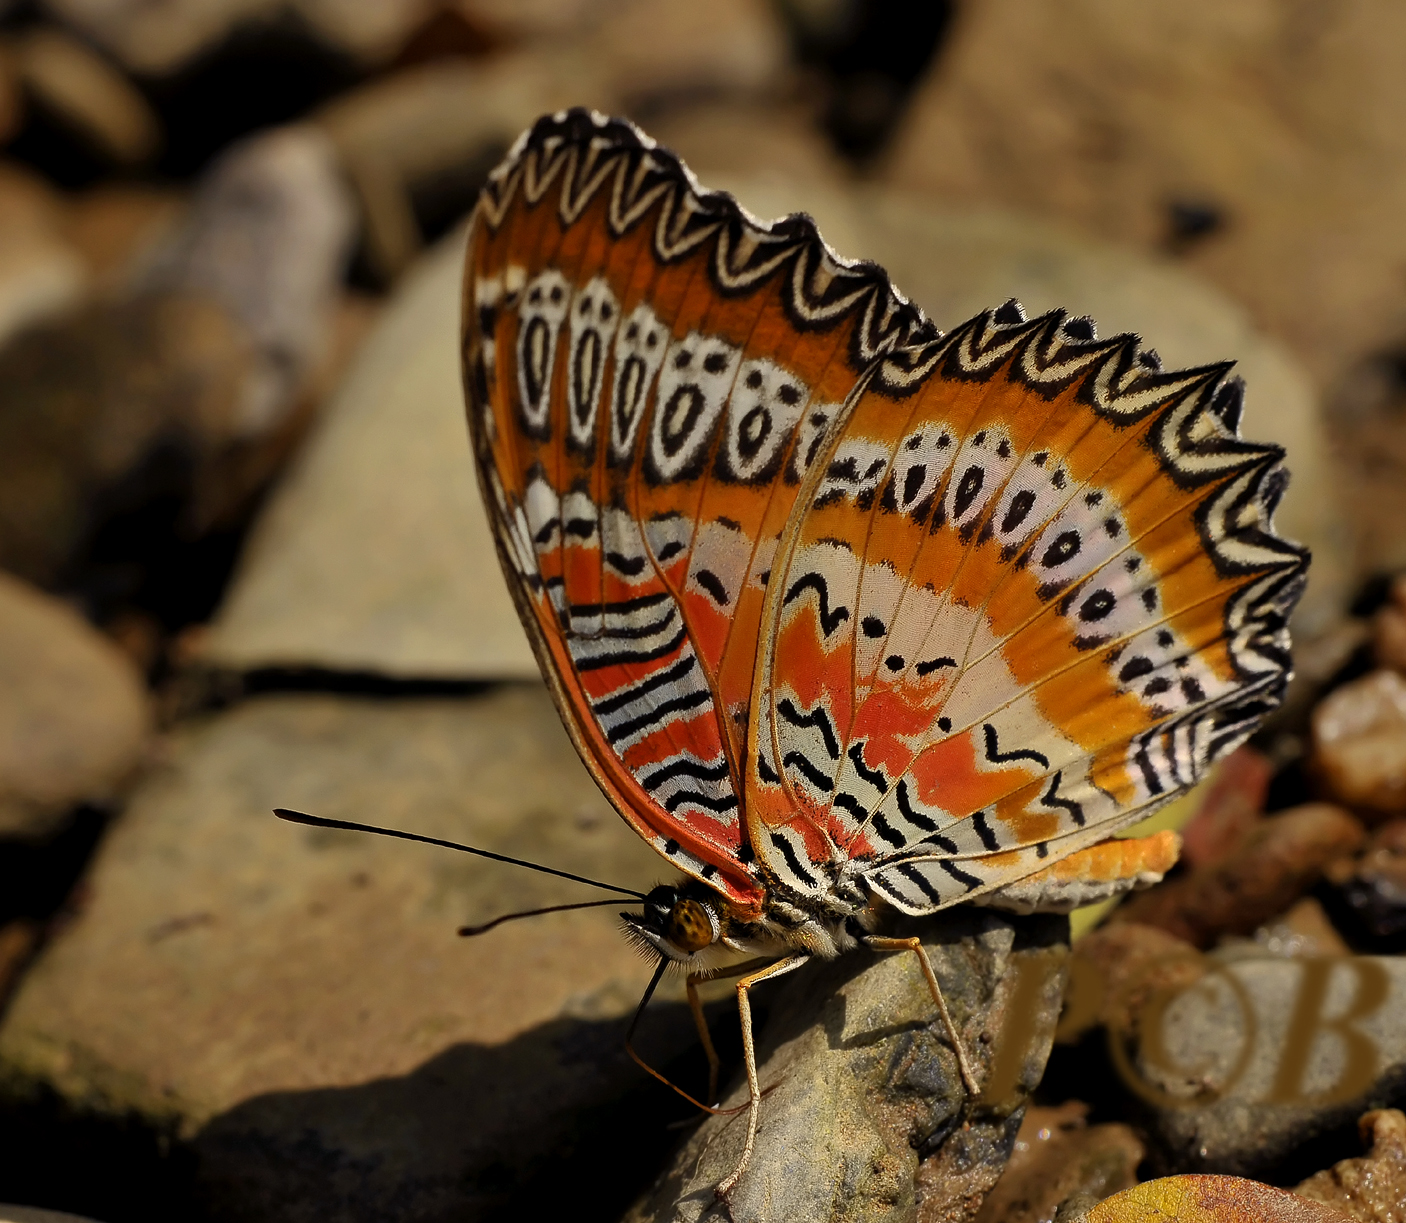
(695, 926)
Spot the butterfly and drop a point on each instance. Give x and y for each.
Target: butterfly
(842, 613)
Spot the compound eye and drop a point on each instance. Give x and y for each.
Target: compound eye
(689, 927)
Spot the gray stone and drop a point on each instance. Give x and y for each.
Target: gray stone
(375, 553)
(74, 715)
(267, 237)
(865, 1116)
(1254, 1063)
(292, 1008)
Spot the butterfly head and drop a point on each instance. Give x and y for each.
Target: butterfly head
(676, 922)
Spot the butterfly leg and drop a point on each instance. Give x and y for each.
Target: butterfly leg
(749, 1053)
(916, 947)
(695, 1004)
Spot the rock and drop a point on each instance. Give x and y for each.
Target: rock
(291, 1007)
(74, 716)
(1389, 629)
(30, 1214)
(769, 143)
(864, 1116)
(1268, 152)
(118, 405)
(1115, 969)
(437, 128)
(1230, 809)
(157, 41)
(1209, 1199)
(117, 227)
(957, 260)
(1061, 1162)
(1264, 1056)
(369, 30)
(88, 96)
(1371, 1189)
(1283, 857)
(1373, 888)
(267, 237)
(40, 273)
(1303, 930)
(375, 553)
(1359, 744)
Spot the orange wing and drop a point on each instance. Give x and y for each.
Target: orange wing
(649, 373)
(1028, 592)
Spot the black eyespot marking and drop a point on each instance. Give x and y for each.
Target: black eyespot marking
(671, 847)
(872, 626)
(715, 362)
(1157, 686)
(651, 340)
(1020, 506)
(754, 379)
(556, 294)
(1092, 499)
(893, 662)
(1064, 547)
(943, 442)
(1133, 564)
(913, 482)
(944, 725)
(980, 438)
(1097, 605)
(1040, 459)
(1192, 690)
(534, 297)
(1135, 668)
(1165, 638)
(1149, 598)
(632, 331)
(1112, 526)
(585, 305)
(681, 361)
(788, 395)
(1058, 478)
(1003, 449)
(914, 442)
(752, 432)
(605, 311)
(968, 490)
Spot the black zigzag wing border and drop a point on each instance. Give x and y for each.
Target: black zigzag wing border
(580, 153)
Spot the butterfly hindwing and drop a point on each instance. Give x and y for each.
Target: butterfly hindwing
(648, 374)
(1033, 594)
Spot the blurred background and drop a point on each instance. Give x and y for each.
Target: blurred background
(243, 562)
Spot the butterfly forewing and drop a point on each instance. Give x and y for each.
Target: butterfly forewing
(649, 373)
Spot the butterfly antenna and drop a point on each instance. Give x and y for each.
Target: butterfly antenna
(470, 931)
(646, 1067)
(318, 821)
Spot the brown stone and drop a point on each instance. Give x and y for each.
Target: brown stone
(114, 226)
(1371, 1189)
(1359, 744)
(1116, 968)
(279, 1001)
(88, 96)
(74, 716)
(1060, 1161)
(41, 275)
(1209, 1199)
(865, 1117)
(1389, 629)
(1230, 809)
(1280, 860)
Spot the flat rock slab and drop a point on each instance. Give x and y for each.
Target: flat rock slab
(375, 553)
(865, 1117)
(1262, 1057)
(291, 1007)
